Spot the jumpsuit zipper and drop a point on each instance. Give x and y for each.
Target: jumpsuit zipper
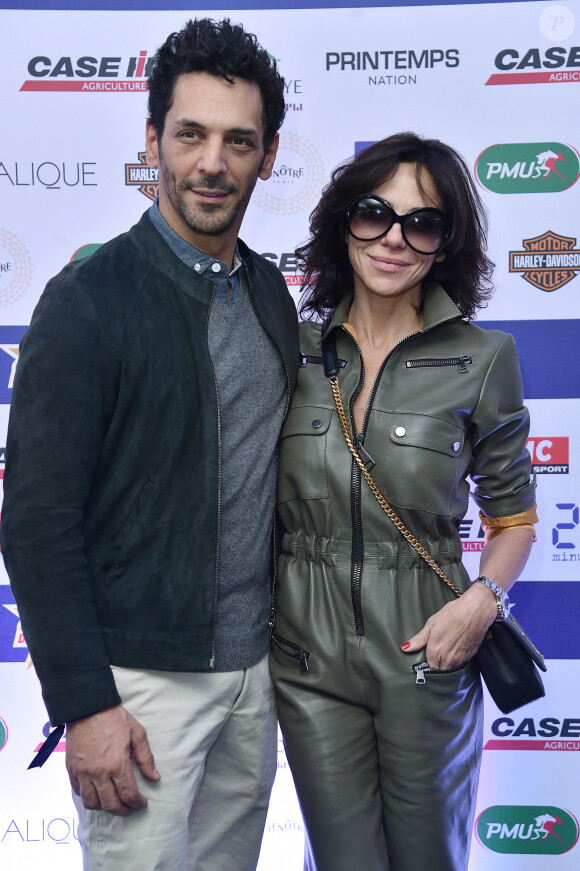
(357, 550)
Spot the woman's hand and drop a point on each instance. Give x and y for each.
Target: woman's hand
(453, 634)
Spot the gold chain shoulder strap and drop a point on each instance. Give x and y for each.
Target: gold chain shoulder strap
(379, 496)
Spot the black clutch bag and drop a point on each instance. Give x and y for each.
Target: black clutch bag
(509, 663)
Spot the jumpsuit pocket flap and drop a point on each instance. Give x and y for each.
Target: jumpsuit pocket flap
(425, 431)
(306, 420)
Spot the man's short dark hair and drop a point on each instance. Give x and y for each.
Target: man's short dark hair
(465, 272)
(221, 49)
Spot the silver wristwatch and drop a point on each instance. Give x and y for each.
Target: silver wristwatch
(502, 598)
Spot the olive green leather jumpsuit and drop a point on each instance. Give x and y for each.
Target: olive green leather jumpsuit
(384, 751)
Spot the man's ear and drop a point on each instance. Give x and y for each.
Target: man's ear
(269, 158)
(151, 145)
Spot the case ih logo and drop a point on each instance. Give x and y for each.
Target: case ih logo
(141, 176)
(287, 265)
(99, 75)
(548, 261)
(528, 168)
(550, 456)
(541, 829)
(533, 67)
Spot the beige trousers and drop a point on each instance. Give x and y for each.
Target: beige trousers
(213, 737)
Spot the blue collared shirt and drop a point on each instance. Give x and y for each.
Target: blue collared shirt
(208, 267)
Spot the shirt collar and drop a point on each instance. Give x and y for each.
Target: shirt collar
(203, 264)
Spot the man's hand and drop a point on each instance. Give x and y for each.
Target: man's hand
(99, 749)
(452, 636)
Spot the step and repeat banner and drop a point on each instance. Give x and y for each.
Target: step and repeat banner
(498, 81)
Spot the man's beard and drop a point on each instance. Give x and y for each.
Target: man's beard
(205, 218)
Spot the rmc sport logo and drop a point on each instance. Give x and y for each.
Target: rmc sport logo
(525, 830)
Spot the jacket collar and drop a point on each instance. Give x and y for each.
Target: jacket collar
(439, 308)
(160, 254)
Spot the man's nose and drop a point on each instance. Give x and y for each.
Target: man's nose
(211, 158)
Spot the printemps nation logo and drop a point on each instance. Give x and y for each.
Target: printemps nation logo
(528, 167)
(548, 261)
(525, 830)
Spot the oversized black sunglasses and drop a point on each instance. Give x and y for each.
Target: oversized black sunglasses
(371, 217)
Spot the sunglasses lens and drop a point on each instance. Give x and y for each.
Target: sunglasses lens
(369, 219)
(425, 231)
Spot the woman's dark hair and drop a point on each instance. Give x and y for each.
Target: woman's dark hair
(465, 272)
(220, 49)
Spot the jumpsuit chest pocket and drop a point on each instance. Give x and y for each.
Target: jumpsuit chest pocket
(302, 454)
(421, 458)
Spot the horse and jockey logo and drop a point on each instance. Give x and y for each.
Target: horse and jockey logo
(541, 830)
(528, 167)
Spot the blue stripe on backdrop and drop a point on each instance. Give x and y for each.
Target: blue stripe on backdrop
(549, 352)
(239, 5)
(548, 611)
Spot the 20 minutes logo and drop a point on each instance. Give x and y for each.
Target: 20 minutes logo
(541, 829)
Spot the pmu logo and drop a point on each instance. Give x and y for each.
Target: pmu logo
(528, 168)
(519, 829)
(550, 456)
(144, 178)
(548, 261)
(9, 342)
(86, 73)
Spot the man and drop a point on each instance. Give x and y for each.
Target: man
(140, 481)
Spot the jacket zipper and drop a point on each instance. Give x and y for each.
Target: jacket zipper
(272, 618)
(434, 362)
(219, 493)
(357, 550)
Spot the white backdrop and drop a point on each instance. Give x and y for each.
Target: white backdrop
(499, 82)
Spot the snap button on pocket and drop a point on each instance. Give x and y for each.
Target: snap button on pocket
(316, 423)
(456, 446)
(400, 432)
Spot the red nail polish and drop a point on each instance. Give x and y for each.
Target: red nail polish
(405, 645)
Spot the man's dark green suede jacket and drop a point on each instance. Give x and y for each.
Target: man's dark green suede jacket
(112, 490)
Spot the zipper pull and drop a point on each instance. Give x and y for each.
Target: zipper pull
(463, 364)
(304, 657)
(420, 672)
(366, 457)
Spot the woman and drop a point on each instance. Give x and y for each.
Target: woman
(380, 707)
